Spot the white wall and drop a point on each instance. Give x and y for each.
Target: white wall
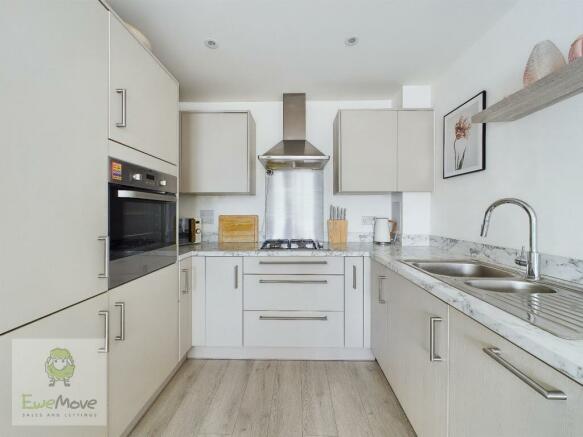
(538, 159)
(268, 117)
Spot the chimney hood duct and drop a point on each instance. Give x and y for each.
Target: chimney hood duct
(294, 151)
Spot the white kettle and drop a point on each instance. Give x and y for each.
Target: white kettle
(384, 230)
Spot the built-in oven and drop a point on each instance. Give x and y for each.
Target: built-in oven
(142, 221)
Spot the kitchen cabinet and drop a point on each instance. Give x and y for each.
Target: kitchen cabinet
(487, 399)
(353, 301)
(198, 296)
(379, 315)
(224, 301)
(217, 153)
(143, 343)
(417, 348)
(383, 150)
(54, 156)
(143, 97)
(81, 321)
(185, 305)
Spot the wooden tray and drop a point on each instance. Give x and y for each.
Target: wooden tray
(238, 228)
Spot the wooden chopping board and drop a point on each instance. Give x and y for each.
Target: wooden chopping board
(238, 228)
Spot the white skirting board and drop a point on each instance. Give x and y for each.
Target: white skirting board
(281, 353)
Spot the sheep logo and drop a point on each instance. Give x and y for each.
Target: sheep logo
(59, 366)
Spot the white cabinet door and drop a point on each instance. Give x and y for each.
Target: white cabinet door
(53, 171)
(198, 301)
(224, 301)
(379, 322)
(148, 120)
(418, 354)
(143, 343)
(217, 152)
(486, 399)
(185, 304)
(415, 151)
(365, 151)
(353, 301)
(81, 321)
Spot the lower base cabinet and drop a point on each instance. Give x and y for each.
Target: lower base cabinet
(487, 400)
(185, 305)
(379, 316)
(143, 343)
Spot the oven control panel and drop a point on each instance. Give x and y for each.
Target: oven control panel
(131, 175)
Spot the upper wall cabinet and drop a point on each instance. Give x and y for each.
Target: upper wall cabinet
(217, 153)
(383, 150)
(143, 98)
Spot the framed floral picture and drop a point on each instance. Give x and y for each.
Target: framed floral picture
(464, 142)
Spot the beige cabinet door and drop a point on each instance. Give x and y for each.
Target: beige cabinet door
(53, 171)
(486, 399)
(418, 355)
(148, 119)
(224, 301)
(353, 301)
(198, 301)
(143, 343)
(81, 321)
(379, 315)
(185, 304)
(415, 151)
(217, 154)
(366, 150)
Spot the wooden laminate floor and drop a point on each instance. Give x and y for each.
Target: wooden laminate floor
(277, 399)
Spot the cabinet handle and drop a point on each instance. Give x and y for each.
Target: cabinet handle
(105, 348)
(236, 276)
(323, 318)
(281, 263)
(432, 355)
(551, 394)
(187, 288)
(122, 321)
(123, 93)
(380, 290)
(105, 273)
(292, 281)
(354, 277)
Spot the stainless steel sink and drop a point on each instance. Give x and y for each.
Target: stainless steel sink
(461, 269)
(509, 286)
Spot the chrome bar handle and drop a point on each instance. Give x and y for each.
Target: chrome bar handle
(293, 262)
(123, 93)
(380, 290)
(105, 348)
(122, 321)
(293, 281)
(105, 273)
(550, 394)
(354, 277)
(323, 318)
(186, 288)
(432, 356)
(236, 276)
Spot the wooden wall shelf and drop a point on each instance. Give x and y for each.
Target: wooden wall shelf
(551, 89)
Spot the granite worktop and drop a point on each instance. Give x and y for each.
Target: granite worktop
(564, 355)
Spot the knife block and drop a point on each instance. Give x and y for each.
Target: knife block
(337, 231)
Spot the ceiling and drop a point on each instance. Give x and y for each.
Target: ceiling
(267, 47)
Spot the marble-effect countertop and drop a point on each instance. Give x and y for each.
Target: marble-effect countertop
(564, 355)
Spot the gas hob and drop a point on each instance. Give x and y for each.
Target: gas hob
(297, 244)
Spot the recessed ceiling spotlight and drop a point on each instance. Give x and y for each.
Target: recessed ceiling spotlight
(351, 41)
(211, 43)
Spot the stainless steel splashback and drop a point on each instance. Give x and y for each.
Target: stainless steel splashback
(294, 204)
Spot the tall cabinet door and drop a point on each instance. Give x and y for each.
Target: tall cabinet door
(53, 170)
(418, 354)
(379, 324)
(81, 321)
(185, 303)
(143, 343)
(224, 301)
(143, 98)
(415, 152)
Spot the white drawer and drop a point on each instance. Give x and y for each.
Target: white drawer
(294, 328)
(294, 292)
(294, 265)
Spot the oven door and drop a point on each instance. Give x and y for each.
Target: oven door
(142, 230)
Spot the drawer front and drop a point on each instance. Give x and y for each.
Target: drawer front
(294, 328)
(294, 292)
(294, 265)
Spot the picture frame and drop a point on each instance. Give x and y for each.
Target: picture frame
(464, 142)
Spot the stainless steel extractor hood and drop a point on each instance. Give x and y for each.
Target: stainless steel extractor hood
(294, 151)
